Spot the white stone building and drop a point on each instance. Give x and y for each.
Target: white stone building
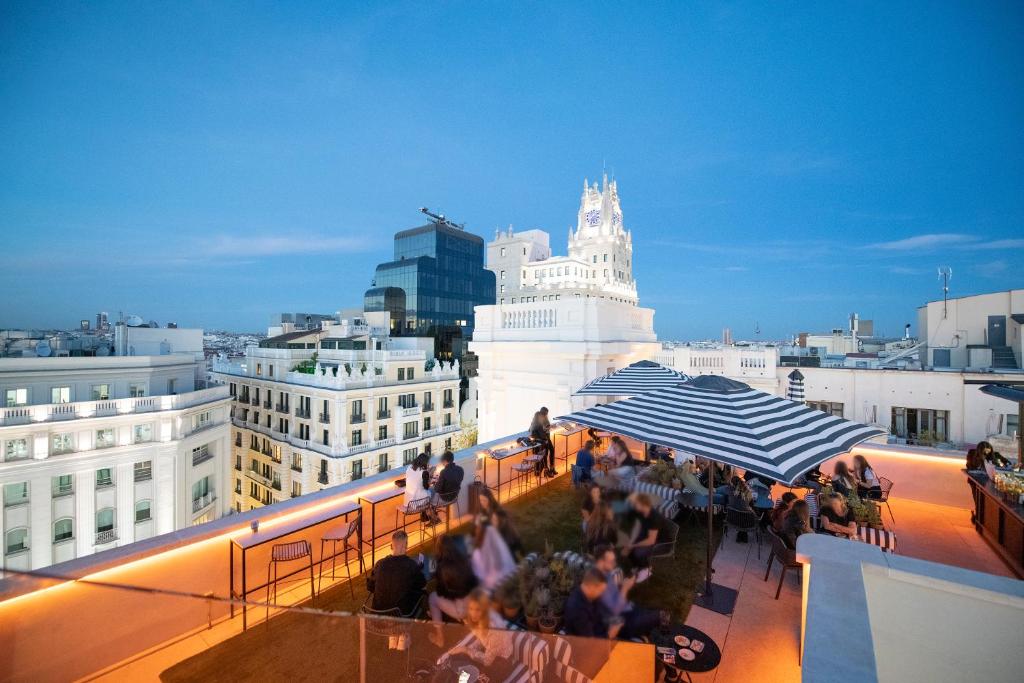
(313, 409)
(98, 452)
(599, 263)
(973, 332)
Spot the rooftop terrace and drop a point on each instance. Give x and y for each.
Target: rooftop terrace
(172, 606)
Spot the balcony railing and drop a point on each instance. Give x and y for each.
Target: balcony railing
(448, 403)
(360, 447)
(255, 401)
(256, 476)
(409, 412)
(63, 490)
(238, 441)
(322, 478)
(428, 407)
(358, 419)
(303, 413)
(282, 408)
(267, 403)
(203, 502)
(325, 418)
(143, 474)
(383, 414)
(108, 536)
(201, 457)
(238, 466)
(296, 467)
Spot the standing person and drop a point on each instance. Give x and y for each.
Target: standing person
(455, 581)
(540, 432)
(868, 485)
(397, 581)
(989, 454)
(651, 528)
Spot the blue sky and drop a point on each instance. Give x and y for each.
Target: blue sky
(778, 163)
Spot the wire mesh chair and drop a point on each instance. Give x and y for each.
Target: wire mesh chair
(886, 485)
(785, 556)
(348, 536)
(288, 552)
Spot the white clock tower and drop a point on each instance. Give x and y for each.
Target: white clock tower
(601, 240)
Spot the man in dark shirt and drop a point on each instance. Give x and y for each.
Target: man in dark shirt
(540, 431)
(449, 481)
(652, 528)
(585, 614)
(585, 461)
(396, 581)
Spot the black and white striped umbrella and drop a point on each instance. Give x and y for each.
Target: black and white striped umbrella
(723, 420)
(633, 380)
(796, 386)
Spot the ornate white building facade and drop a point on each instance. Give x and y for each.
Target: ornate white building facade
(599, 263)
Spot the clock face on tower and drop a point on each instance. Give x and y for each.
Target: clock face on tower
(593, 217)
(616, 218)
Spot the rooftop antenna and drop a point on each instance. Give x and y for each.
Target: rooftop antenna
(945, 274)
(441, 219)
(757, 328)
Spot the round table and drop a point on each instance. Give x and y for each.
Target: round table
(705, 660)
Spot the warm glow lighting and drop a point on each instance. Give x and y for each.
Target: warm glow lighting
(908, 455)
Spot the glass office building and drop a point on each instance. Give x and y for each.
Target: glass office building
(431, 287)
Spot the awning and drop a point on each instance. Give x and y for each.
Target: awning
(633, 380)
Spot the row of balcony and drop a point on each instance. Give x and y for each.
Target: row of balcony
(55, 412)
(360, 418)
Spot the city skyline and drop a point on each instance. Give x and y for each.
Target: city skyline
(776, 170)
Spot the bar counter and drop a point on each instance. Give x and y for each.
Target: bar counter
(999, 521)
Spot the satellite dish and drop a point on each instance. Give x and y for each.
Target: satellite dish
(43, 348)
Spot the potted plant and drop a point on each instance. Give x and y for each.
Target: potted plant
(532, 613)
(874, 515)
(860, 512)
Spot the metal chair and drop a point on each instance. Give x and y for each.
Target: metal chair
(666, 550)
(367, 608)
(445, 503)
(420, 507)
(742, 520)
(886, 485)
(784, 555)
(288, 552)
(344, 535)
(524, 470)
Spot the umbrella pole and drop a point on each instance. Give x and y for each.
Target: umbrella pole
(711, 498)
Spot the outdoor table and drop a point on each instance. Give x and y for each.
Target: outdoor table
(373, 499)
(705, 660)
(567, 439)
(501, 455)
(886, 540)
(248, 541)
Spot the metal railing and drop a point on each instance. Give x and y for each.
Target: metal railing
(409, 412)
(205, 501)
(325, 418)
(107, 536)
(449, 403)
(304, 413)
(143, 474)
(201, 457)
(322, 477)
(358, 419)
(383, 414)
(427, 407)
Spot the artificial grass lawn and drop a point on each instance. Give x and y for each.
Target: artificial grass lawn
(303, 647)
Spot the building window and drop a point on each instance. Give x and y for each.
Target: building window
(259, 369)
(296, 489)
(409, 373)
(502, 289)
(15, 494)
(200, 420)
(401, 374)
(831, 408)
(202, 493)
(144, 470)
(101, 392)
(407, 400)
(595, 258)
(63, 529)
(327, 438)
(104, 438)
(1012, 425)
(16, 449)
(16, 397)
(447, 419)
(357, 437)
(382, 462)
(201, 454)
(60, 395)
(920, 425)
(136, 390)
(503, 275)
(61, 443)
(410, 430)
(105, 520)
(63, 485)
(426, 423)
(104, 477)
(143, 511)
(503, 251)
(143, 433)
(408, 455)
(357, 469)
(16, 541)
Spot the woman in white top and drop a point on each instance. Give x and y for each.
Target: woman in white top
(416, 474)
(489, 645)
(868, 485)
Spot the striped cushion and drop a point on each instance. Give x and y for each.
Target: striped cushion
(531, 655)
(563, 651)
(886, 540)
(567, 674)
(666, 493)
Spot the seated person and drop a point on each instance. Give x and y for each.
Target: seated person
(811, 479)
(699, 492)
(449, 481)
(868, 485)
(490, 646)
(585, 613)
(750, 477)
(623, 465)
(601, 529)
(836, 518)
(780, 511)
(797, 523)
(454, 581)
(843, 481)
(637, 622)
(593, 497)
(491, 559)
(397, 581)
(989, 454)
(975, 461)
(651, 528)
(585, 461)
